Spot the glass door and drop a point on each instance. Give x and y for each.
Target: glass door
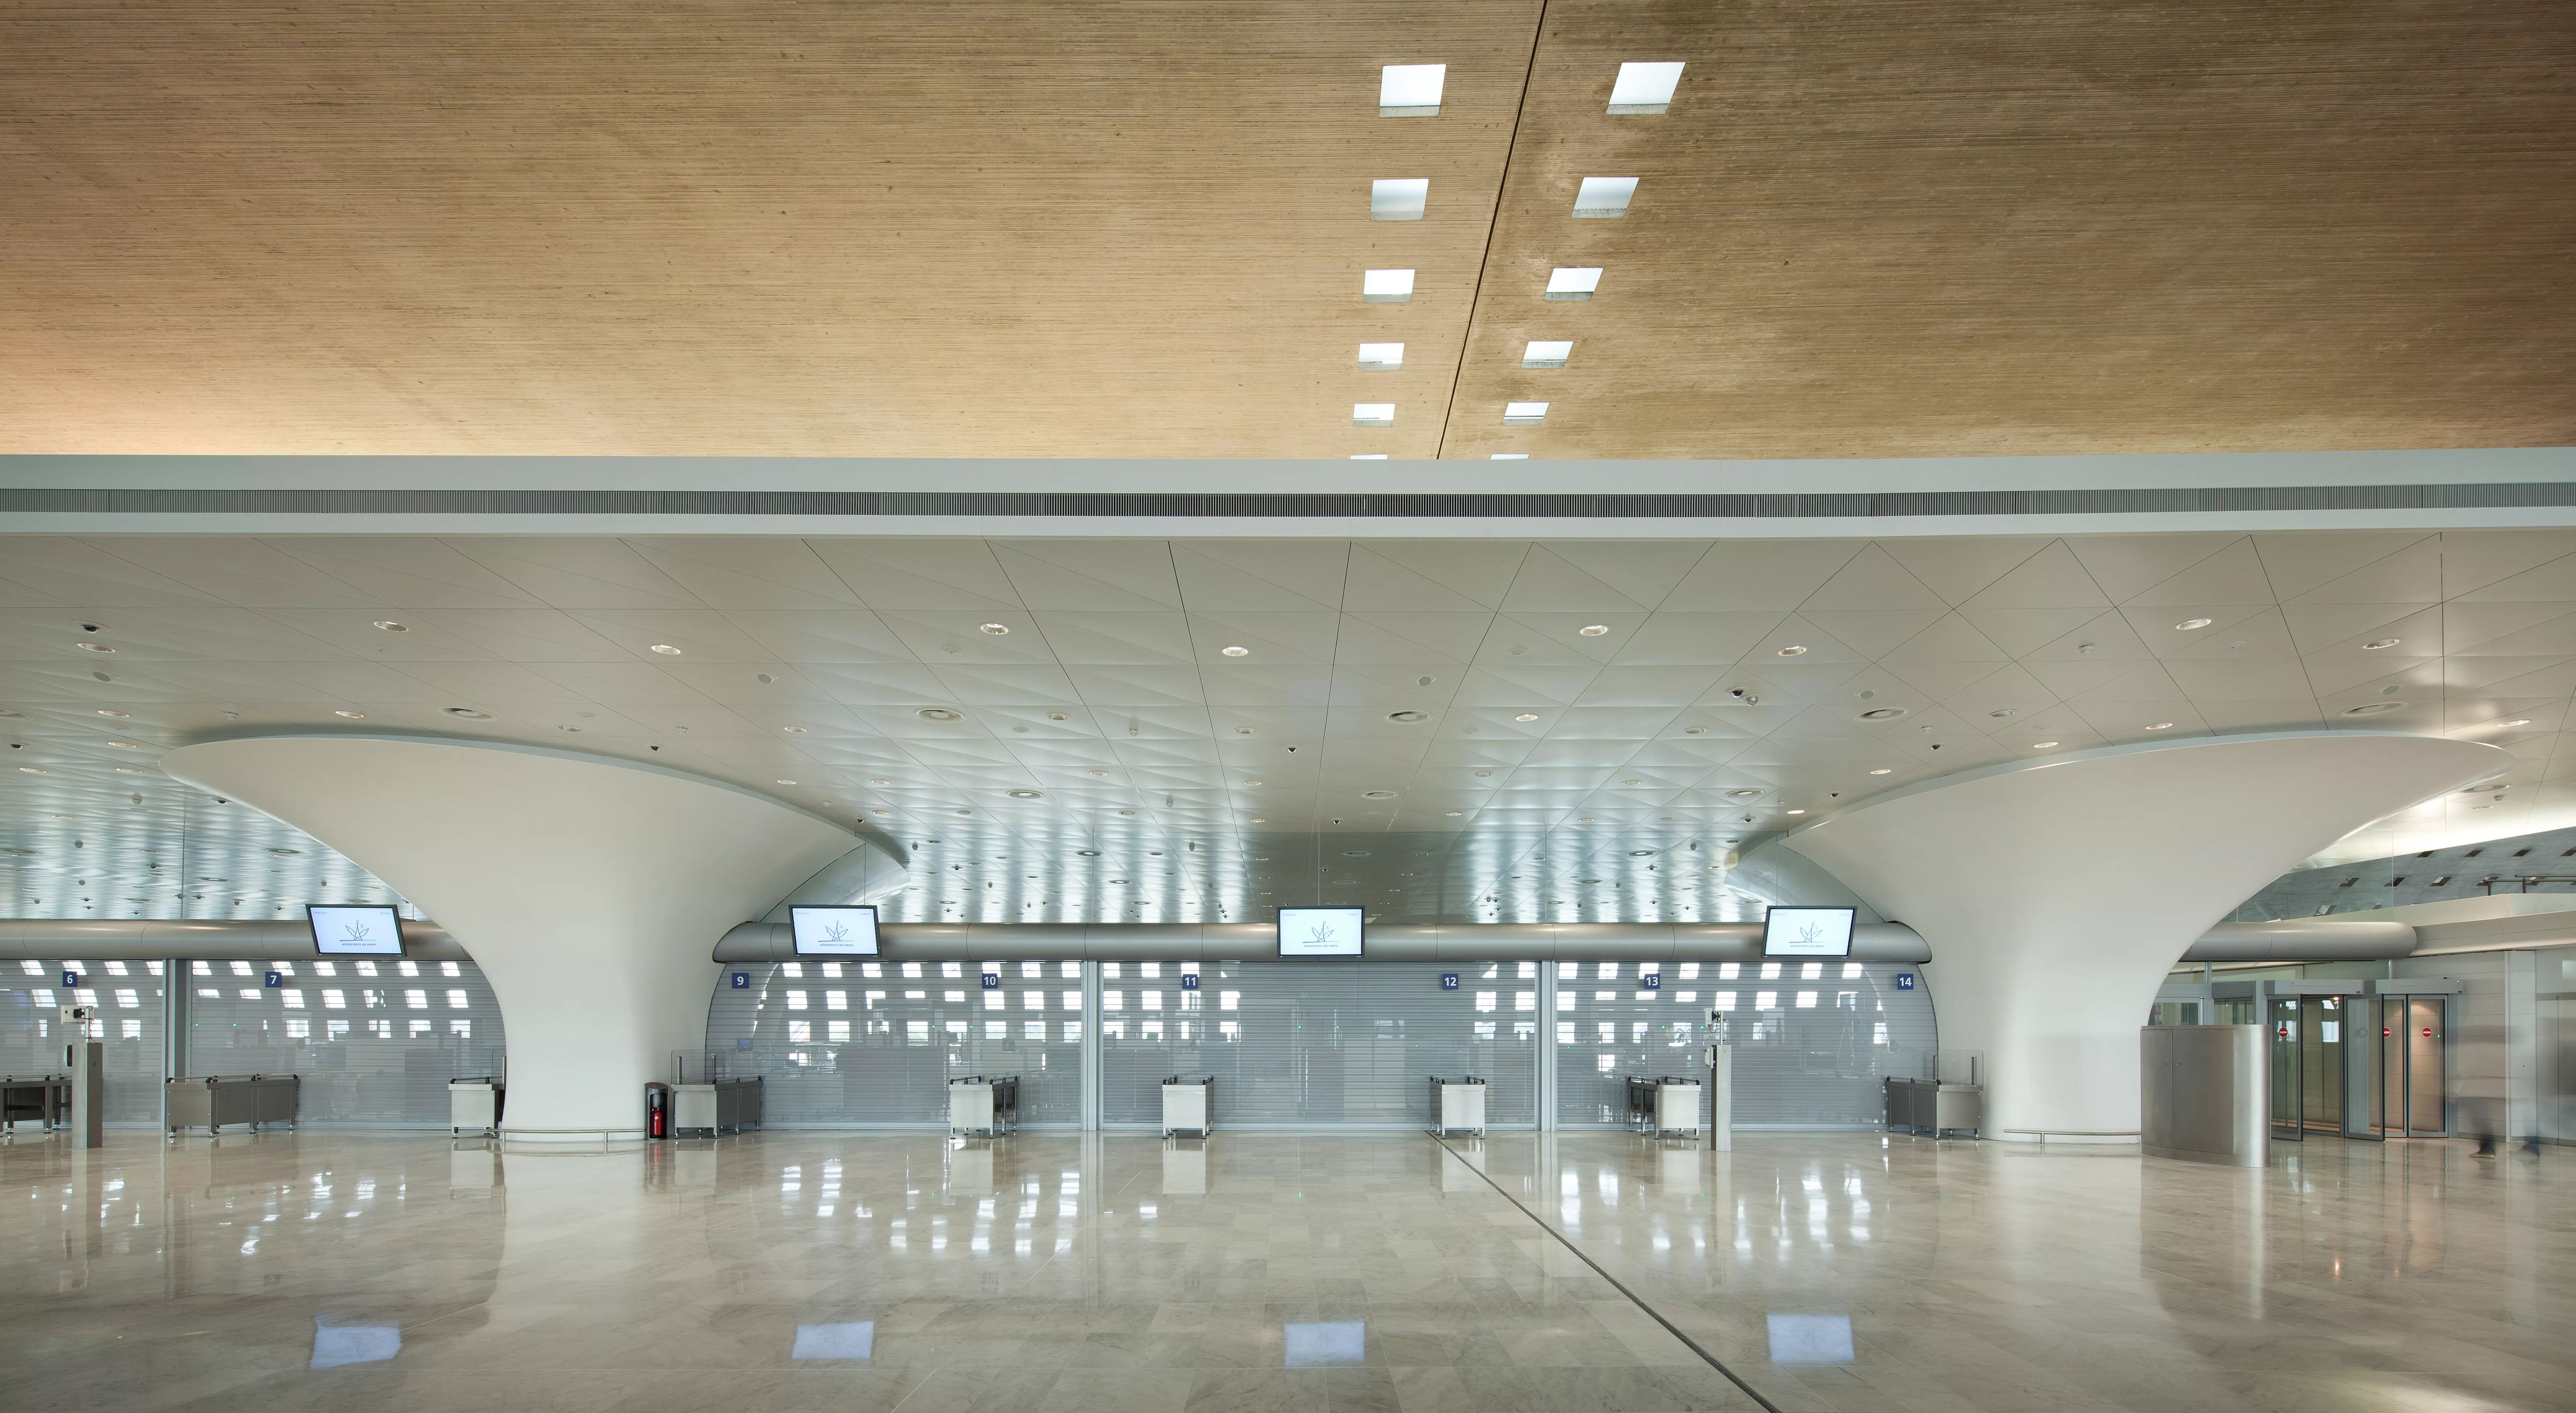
(2413, 1073)
(2558, 1068)
(2321, 1040)
(2288, 1078)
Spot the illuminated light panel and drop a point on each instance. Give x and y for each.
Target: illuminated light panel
(1599, 199)
(1521, 414)
(1386, 286)
(1381, 357)
(1372, 414)
(1573, 281)
(1547, 353)
(1643, 90)
(1413, 90)
(1405, 198)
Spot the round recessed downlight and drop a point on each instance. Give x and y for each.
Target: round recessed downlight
(1694, 730)
(2160, 726)
(2043, 745)
(1408, 716)
(2188, 624)
(1743, 794)
(880, 782)
(467, 713)
(287, 853)
(2517, 721)
(352, 715)
(1587, 819)
(1087, 853)
(108, 711)
(1793, 650)
(1797, 811)
(1593, 630)
(1260, 821)
(1377, 794)
(94, 647)
(1526, 716)
(1632, 782)
(940, 714)
(2376, 644)
(1641, 853)
(1884, 770)
(786, 782)
(1883, 714)
(2003, 713)
(1252, 784)
(2373, 708)
(391, 626)
(129, 770)
(1055, 716)
(996, 629)
(1025, 795)
(130, 746)
(32, 769)
(666, 650)
(1236, 650)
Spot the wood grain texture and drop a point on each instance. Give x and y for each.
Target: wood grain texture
(1870, 229)
(1002, 227)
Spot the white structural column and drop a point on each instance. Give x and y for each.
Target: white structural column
(590, 891)
(2056, 893)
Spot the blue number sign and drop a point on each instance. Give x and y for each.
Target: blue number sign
(992, 981)
(1189, 981)
(1448, 981)
(742, 981)
(70, 979)
(1652, 981)
(1905, 981)
(273, 979)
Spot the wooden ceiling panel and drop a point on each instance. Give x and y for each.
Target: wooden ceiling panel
(974, 228)
(2009, 228)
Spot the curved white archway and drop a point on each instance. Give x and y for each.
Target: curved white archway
(2057, 893)
(591, 891)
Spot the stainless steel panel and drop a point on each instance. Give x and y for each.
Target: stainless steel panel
(2204, 1093)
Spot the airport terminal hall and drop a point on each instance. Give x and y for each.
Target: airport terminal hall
(1227, 706)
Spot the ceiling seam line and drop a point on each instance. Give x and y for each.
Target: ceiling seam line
(1493, 223)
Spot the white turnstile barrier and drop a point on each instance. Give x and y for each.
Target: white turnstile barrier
(985, 1106)
(1189, 1103)
(1457, 1104)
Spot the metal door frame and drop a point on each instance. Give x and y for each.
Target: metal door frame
(2405, 1060)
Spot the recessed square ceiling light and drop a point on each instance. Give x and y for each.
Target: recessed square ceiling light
(1381, 357)
(1370, 456)
(1403, 198)
(1573, 281)
(1413, 90)
(1386, 286)
(1644, 88)
(1524, 414)
(1547, 353)
(1599, 199)
(1511, 456)
(1372, 414)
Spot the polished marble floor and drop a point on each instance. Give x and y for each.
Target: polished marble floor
(1257, 1272)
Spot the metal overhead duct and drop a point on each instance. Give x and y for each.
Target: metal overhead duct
(138, 939)
(2296, 940)
(1187, 941)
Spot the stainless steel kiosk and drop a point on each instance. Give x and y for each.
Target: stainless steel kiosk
(986, 1106)
(217, 1100)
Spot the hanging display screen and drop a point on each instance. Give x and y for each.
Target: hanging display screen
(1320, 932)
(834, 932)
(355, 931)
(1807, 932)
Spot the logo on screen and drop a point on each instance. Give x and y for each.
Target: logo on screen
(356, 933)
(835, 932)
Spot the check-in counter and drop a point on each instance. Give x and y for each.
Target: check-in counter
(46, 1098)
(1922, 1106)
(216, 1100)
(1457, 1104)
(987, 1106)
(723, 1106)
(1669, 1104)
(1189, 1104)
(474, 1104)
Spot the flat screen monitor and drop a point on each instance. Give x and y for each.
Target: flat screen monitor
(834, 932)
(355, 931)
(1320, 932)
(1807, 932)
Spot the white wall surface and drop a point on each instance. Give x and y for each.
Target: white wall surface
(2057, 893)
(590, 891)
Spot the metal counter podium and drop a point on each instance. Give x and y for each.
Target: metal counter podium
(1457, 1104)
(986, 1106)
(217, 1100)
(46, 1097)
(1923, 1106)
(1189, 1103)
